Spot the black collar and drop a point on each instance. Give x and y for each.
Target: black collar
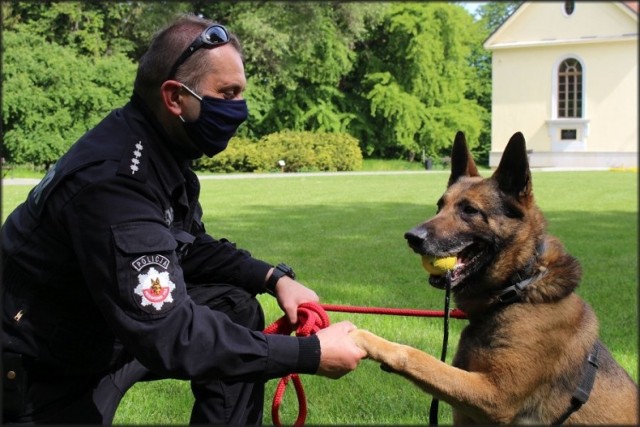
(514, 292)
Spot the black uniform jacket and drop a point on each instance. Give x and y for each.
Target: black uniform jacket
(97, 258)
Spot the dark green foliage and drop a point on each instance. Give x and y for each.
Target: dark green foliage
(300, 151)
(242, 155)
(400, 77)
(51, 95)
(415, 76)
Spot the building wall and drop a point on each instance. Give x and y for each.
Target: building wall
(526, 54)
(612, 96)
(547, 21)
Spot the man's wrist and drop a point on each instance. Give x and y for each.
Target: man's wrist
(278, 272)
(309, 354)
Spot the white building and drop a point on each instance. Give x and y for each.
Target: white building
(565, 74)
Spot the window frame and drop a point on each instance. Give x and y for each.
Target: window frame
(555, 96)
(570, 89)
(556, 124)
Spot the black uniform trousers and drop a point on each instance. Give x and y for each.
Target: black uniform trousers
(55, 397)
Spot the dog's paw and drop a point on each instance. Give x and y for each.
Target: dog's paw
(375, 346)
(360, 336)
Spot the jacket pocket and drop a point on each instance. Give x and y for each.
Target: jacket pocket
(150, 278)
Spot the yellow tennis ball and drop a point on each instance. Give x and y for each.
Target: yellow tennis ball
(438, 266)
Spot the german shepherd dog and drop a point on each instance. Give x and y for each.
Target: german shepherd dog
(530, 351)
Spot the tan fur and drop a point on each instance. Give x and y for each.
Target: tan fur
(519, 362)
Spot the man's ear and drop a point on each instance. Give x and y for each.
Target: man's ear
(171, 96)
(462, 163)
(513, 174)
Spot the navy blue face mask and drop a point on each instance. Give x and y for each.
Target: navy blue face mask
(217, 123)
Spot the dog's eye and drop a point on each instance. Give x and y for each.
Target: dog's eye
(469, 210)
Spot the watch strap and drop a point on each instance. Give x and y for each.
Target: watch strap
(279, 271)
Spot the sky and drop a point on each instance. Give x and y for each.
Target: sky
(471, 6)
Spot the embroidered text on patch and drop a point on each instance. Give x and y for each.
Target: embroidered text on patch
(155, 288)
(135, 160)
(147, 260)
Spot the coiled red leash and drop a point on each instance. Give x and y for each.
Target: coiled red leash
(311, 318)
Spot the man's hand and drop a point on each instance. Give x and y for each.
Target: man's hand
(290, 294)
(339, 353)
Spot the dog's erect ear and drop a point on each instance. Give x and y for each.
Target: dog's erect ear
(462, 163)
(513, 174)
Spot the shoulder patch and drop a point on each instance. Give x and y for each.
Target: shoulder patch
(154, 290)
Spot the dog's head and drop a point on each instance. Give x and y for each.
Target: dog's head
(491, 225)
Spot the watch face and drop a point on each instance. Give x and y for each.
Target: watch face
(288, 271)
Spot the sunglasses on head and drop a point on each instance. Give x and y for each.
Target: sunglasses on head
(212, 37)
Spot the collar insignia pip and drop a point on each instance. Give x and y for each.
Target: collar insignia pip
(135, 160)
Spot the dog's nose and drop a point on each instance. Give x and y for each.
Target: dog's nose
(413, 239)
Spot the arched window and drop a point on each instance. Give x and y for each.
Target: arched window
(570, 89)
(569, 7)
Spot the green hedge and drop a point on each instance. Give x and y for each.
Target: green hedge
(300, 151)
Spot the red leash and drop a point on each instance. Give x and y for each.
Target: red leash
(311, 318)
(455, 313)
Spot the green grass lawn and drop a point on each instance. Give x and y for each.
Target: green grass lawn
(344, 236)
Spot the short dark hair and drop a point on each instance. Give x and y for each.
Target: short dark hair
(165, 47)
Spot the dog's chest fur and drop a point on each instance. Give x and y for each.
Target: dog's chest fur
(513, 345)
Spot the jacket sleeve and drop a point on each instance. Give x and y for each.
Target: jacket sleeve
(209, 260)
(128, 259)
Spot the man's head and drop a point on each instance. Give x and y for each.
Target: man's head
(166, 47)
(179, 83)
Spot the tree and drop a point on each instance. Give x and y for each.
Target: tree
(52, 95)
(494, 13)
(296, 54)
(415, 77)
(96, 27)
(401, 77)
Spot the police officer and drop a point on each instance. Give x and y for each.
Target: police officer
(110, 278)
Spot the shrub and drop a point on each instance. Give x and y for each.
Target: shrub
(241, 155)
(301, 151)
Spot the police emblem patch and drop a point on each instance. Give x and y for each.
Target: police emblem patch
(154, 289)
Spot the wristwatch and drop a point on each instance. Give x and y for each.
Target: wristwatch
(279, 271)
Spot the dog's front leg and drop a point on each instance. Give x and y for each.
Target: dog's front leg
(469, 392)
(393, 356)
